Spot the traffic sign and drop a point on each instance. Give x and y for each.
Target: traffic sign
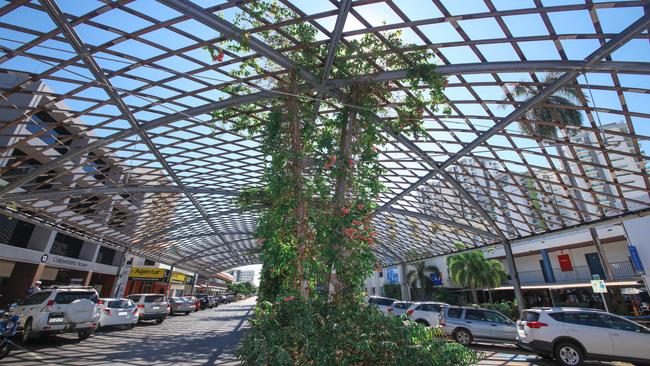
(599, 286)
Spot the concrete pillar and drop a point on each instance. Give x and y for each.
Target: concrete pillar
(169, 280)
(601, 253)
(22, 277)
(41, 239)
(89, 251)
(514, 275)
(89, 276)
(406, 293)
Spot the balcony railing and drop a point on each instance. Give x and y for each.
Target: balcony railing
(621, 271)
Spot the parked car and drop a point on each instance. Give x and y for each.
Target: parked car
(467, 324)
(206, 301)
(58, 309)
(425, 312)
(150, 306)
(194, 300)
(122, 312)
(214, 300)
(181, 305)
(399, 307)
(573, 335)
(382, 303)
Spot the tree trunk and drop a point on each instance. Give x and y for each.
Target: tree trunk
(297, 167)
(474, 295)
(341, 188)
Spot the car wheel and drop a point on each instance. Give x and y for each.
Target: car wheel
(84, 334)
(27, 331)
(463, 336)
(423, 322)
(187, 312)
(159, 320)
(569, 354)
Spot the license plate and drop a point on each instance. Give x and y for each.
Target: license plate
(155, 308)
(122, 313)
(55, 320)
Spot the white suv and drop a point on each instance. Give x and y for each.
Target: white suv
(59, 309)
(425, 312)
(151, 306)
(571, 335)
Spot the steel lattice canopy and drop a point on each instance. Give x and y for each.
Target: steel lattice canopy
(105, 108)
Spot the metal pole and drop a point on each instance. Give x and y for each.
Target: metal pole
(169, 280)
(601, 253)
(602, 296)
(117, 288)
(406, 294)
(514, 275)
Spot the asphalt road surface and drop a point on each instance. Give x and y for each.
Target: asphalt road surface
(207, 337)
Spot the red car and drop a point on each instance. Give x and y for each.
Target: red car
(196, 301)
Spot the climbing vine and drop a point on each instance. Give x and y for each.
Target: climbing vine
(322, 175)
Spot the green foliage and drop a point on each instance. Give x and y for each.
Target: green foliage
(507, 308)
(293, 332)
(418, 274)
(244, 288)
(393, 291)
(472, 270)
(446, 295)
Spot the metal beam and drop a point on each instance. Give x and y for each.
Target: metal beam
(552, 88)
(442, 221)
(485, 67)
(73, 38)
(335, 37)
(54, 194)
(202, 252)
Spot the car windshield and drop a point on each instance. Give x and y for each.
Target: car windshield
(135, 298)
(156, 299)
(67, 297)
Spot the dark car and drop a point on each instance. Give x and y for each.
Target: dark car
(206, 301)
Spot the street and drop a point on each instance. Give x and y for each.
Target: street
(207, 337)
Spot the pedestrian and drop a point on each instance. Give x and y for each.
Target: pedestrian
(34, 289)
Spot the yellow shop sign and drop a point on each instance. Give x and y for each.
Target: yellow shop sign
(147, 273)
(178, 277)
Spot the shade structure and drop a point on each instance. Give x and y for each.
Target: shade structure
(106, 110)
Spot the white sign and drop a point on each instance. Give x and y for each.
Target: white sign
(599, 286)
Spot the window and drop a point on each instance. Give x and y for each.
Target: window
(531, 316)
(147, 287)
(403, 305)
(380, 301)
(588, 319)
(37, 298)
(473, 314)
(15, 232)
(429, 307)
(148, 262)
(66, 246)
(135, 298)
(116, 304)
(67, 297)
(454, 312)
(105, 256)
(493, 317)
(156, 299)
(614, 322)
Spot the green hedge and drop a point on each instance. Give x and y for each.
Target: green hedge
(293, 332)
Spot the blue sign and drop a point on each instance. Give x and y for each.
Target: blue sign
(392, 276)
(436, 278)
(636, 260)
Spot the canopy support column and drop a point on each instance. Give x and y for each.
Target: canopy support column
(406, 294)
(514, 275)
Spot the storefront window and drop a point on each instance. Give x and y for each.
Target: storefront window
(147, 287)
(105, 256)
(15, 232)
(66, 246)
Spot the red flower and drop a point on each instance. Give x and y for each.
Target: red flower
(345, 210)
(374, 149)
(361, 206)
(260, 240)
(351, 162)
(289, 298)
(356, 222)
(220, 55)
(349, 232)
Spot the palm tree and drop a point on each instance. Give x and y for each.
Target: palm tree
(473, 271)
(419, 274)
(558, 108)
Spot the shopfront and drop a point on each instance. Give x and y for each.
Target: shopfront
(147, 280)
(181, 284)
